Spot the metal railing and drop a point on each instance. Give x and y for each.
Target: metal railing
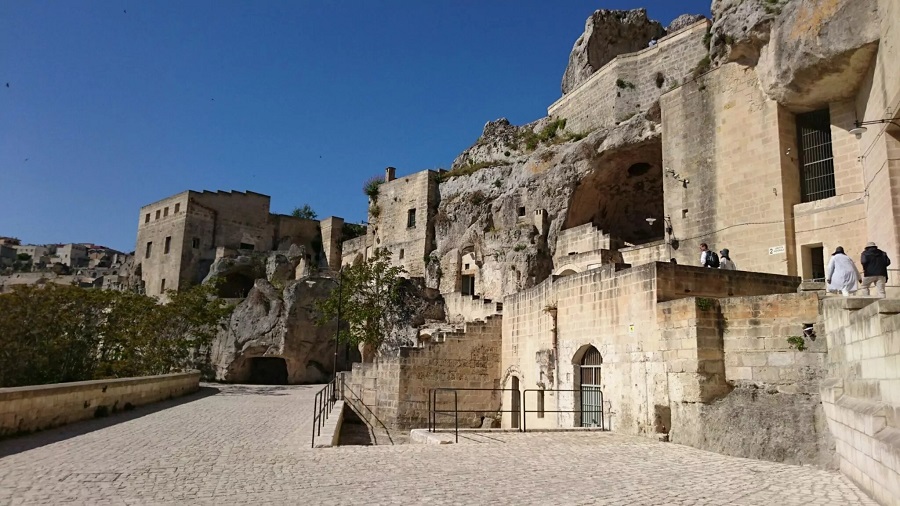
(594, 393)
(324, 402)
(434, 412)
(518, 410)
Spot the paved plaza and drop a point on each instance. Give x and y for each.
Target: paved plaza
(249, 444)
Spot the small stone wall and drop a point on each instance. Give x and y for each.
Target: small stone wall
(766, 405)
(861, 394)
(27, 409)
(395, 390)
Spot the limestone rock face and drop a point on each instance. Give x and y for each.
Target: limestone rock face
(500, 143)
(819, 52)
(272, 324)
(504, 220)
(683, 21)
(740, 29)
(607, 34)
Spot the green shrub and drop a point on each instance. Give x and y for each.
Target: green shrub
(371, 186)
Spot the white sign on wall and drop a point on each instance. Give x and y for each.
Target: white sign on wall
(776, 250)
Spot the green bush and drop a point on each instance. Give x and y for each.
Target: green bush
(371, 186)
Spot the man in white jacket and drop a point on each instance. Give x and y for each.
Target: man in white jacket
(841, 273)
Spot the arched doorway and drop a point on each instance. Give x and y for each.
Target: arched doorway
(589, 384)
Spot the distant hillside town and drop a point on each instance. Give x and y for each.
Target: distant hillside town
(83, 264)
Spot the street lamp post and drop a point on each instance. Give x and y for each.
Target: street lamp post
(337, 332)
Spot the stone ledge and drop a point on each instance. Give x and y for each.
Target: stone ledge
(331, 430)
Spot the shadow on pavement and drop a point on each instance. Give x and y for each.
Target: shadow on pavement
(19, 444)
(232, 389)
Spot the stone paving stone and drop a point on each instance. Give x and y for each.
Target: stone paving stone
(249, 444)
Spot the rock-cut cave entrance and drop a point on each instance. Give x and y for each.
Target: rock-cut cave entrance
(235, 285)
(268, 371)
(623, 190)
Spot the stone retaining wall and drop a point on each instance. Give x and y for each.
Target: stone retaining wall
(27, 409)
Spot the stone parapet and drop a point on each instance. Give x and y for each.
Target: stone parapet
(31, 408)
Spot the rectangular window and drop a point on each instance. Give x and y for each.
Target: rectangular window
(246, 246)
(166, 246)
(468, 285)
(149, 249)
(177, 207)
(165, 212)
(195, 242)
(521, 211)
(157, 213)
(147, 218)
(162, 286)
(401, 254)
(411, 218)
(816, 157)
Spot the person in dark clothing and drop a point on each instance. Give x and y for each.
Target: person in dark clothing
(875, 263)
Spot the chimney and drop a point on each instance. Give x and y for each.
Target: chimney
(390, 174)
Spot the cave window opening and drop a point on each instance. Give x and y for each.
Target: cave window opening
(268, 371)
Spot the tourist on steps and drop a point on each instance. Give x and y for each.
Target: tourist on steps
(841, 274)
(726, 262)
(875, 263)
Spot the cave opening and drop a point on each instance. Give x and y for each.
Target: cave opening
(268, 371)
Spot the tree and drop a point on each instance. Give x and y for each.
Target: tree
(56, 333)
(306, 212)
(369, 300)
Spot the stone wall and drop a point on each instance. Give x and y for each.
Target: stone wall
(548, 328)
(26, 409)
(861, 394)
(759, 395)
(395, 390)
(466, 308)
(728, 184)
(628, 85)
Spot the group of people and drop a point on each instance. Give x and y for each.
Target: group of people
(842, 276)
(710, 259)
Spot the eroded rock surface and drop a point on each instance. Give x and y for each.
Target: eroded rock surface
(607, 34)
(819, 52)
(683, 21)
(276, 324)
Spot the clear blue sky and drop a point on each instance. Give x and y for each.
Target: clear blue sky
(108, 110)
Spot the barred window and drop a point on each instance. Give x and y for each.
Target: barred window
(816, 157)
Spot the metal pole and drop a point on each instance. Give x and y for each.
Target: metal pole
(337, 333)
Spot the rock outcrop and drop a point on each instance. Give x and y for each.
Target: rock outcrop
(819, 52)
(683, 21)
(275, 324)
(607, 34)
(741, 28)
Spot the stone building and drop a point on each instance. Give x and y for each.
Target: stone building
(774, 133)
(72, 255)
(181, 236)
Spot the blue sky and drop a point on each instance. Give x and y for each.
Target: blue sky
(115, 104)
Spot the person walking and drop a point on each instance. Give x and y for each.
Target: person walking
(708, 258)
(841, 273)
(875, 263)
(726, 262)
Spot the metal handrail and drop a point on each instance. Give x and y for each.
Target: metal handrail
(359, 402)
(433, 412)
(324, 403)
(525, 409)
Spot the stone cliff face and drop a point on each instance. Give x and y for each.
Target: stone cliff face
(607, 34)
(503, 220)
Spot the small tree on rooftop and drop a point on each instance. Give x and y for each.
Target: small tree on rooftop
(371, 186)
(305, 212)
(370, 300)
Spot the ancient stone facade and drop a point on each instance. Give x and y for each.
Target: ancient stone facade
(181, 236)
(632, 83)
(395, 390)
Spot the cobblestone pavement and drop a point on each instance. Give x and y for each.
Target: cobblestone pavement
(249, 444)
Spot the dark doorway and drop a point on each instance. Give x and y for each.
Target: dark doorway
(235, 285)
(516, 401)
(268, 371)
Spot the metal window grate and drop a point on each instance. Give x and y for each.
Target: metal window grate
(816, 157)
(591, 397)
